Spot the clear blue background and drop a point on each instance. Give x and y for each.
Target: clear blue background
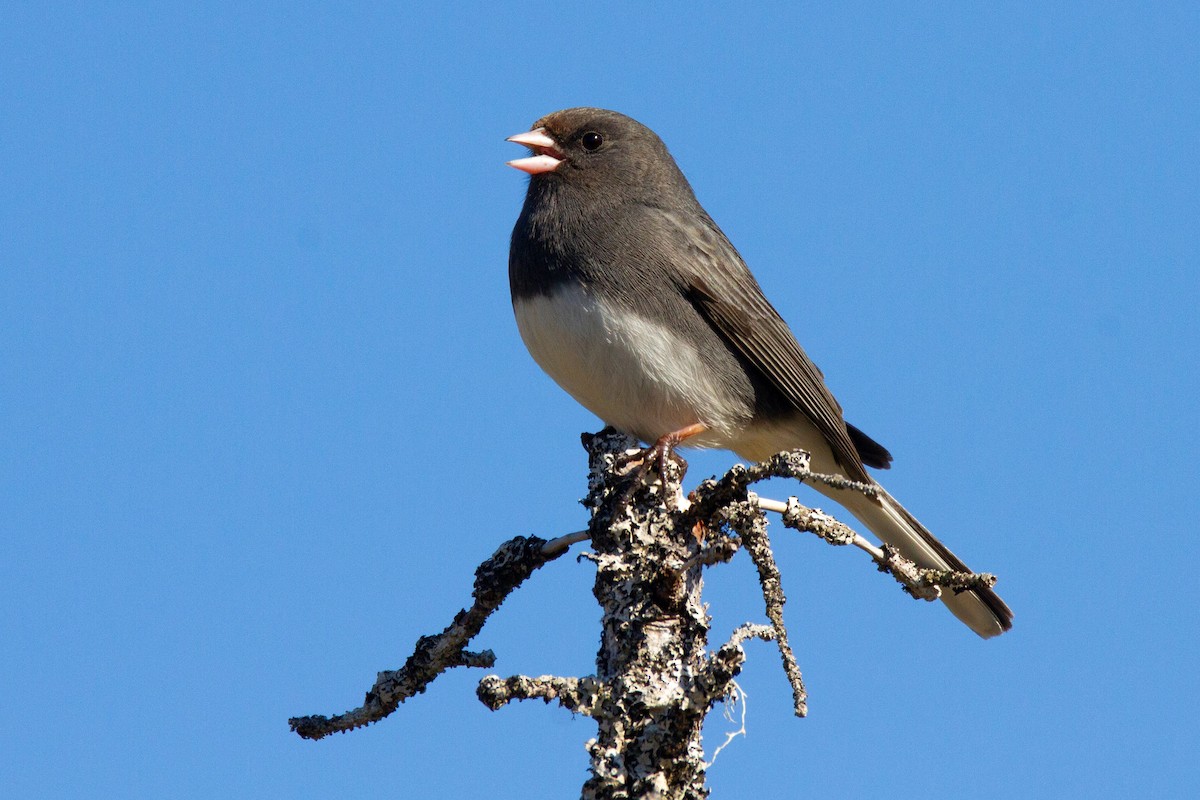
(263, 406)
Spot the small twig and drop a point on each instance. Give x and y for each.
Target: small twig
(578, 695)
(467, 658)
(727, 662)
(925, 583)
(746, 518)
(838, 482)
(750, 630)
(812, 520)
(555, 546)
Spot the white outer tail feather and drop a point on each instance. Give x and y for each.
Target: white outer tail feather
(892, 523)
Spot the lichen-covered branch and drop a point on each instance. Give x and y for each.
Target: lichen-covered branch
(653, 635)
(725, 664)
(655, 681)
(495, 579)
(922, 583)
(750, 523)
(733, 486)
(578, 695)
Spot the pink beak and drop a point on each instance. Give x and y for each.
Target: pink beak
(548, 155)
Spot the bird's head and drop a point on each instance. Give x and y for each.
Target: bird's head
(597, 148)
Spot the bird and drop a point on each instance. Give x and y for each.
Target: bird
(631, 298)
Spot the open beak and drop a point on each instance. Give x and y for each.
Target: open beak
(548, 155)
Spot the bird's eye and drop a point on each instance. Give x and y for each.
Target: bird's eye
(592, 141)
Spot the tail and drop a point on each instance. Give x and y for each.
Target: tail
(982, 610)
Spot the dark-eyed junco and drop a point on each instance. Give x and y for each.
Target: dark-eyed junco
(631, 298)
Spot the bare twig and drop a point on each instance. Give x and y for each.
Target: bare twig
(554, 547)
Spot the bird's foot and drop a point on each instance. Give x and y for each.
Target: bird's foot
(659, 457)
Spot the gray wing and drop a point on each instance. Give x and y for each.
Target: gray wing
(712, 275)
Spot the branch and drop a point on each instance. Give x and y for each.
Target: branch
(725, 664)
(578, 695)
(495, 579)
(714, 493)
(716, 680)
(729, 498)
(655, 680)
(746, 518)
(922, 583)
(556, 547)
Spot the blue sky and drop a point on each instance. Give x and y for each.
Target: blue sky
(264, 407)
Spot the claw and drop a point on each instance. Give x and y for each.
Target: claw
(660, 456)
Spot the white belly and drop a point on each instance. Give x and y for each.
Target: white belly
(635, 375)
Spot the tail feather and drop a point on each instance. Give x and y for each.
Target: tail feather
(982, 610)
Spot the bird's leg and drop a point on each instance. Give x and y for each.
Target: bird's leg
(662, 451)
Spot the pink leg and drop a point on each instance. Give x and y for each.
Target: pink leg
(661, 451)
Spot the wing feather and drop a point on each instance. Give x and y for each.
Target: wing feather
(718, 283)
